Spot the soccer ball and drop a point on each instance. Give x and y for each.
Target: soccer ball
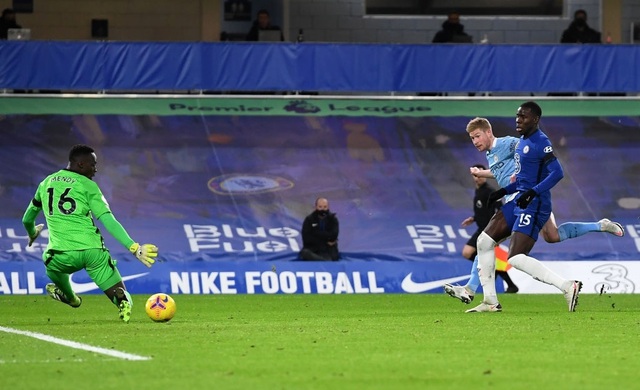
(160, 307)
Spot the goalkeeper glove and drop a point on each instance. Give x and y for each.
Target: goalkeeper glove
(36, 234)
(526, 198)
(495, 195)
(146, 253)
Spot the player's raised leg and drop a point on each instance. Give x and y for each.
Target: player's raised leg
(521, 244)
(103, 270)
(56, 293)
(58, 269)
(568, 230)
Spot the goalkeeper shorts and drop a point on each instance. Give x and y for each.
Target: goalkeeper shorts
(98, 263)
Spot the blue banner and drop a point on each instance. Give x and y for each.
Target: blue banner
(228, 193)
(308, 277)
(241, 277)
(153, 66)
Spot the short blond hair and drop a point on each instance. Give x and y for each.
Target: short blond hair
(478, 123)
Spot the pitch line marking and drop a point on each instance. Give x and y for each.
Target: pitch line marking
(18, 361)
(74, 344)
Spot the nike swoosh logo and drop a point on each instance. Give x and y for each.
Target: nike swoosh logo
(80, 288)
(408, 285)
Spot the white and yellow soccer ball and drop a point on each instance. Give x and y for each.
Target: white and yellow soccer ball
(160, 307)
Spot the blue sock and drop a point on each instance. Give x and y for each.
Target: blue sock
(474, 278)
(576, 229)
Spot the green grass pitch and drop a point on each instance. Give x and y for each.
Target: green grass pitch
(327, 342)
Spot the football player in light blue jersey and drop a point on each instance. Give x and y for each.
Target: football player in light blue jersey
(502, 166)
(499, 155)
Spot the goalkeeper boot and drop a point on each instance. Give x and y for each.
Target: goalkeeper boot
(571, 294)
(611, 227)
(55, 293)
(458, 292)
(485, 307)
(124, 307)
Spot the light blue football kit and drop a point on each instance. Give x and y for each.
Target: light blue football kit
(502, 166)
(501, 161)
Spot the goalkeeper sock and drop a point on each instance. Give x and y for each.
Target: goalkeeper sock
(570, 230)
(474, 279)
(127, 296)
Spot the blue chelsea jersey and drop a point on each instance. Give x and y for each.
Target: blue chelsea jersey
(530, 159)
(501, 159)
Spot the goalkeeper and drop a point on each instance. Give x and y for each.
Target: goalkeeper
(70, 199)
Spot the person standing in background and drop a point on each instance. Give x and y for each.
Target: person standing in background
(452, 31)
(262, 22)
(7, 21)
(579, 31)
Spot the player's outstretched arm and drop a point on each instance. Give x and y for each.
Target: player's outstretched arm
(477, 172)
(146, 253)
(29, 220)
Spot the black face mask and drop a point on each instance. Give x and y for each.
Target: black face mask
(580, 23)
(322, 213)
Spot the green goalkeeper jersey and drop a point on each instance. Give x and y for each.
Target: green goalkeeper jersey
(69, 202)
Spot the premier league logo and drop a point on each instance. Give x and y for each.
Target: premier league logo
(302, 107)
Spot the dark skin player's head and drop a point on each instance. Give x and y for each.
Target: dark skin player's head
(82, 160)
(528, 118)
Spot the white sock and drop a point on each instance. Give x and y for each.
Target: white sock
(487, 267)
(537, 270)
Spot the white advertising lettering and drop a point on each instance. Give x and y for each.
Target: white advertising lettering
(17, 284)
(270, 282)
(435, 238)
(203, 282)
(231, 239)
